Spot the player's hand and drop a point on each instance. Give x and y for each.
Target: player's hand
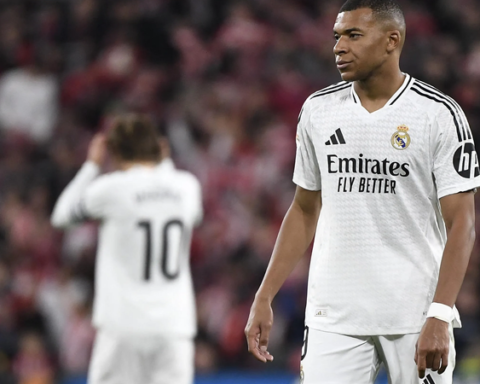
(258, 329)
(97, 149)
(432, 347)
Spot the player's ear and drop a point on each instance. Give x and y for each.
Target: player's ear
(394, 41)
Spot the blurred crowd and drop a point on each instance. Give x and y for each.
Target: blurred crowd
(226, 80)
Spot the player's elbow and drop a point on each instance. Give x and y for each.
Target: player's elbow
(466, 224)
(463, 230)
(59, 220)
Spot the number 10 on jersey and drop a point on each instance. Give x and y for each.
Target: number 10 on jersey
(171, 248)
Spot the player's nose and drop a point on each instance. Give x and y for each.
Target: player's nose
(340, 47)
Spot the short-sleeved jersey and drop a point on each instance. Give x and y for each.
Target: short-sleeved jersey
(380, 235)
(143, 283)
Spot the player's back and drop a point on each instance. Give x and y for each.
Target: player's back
(143, 283)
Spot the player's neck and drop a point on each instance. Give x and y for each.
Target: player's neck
(375, 91)
(125, 165)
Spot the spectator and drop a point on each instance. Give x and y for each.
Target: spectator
(28, 99)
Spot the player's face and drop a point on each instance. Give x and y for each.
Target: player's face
(361, 44)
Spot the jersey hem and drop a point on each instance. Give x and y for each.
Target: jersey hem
(354, 331)
(144, 333)
(135, 334)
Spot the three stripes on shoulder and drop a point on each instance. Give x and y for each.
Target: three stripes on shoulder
(326, 91)
(432, 93)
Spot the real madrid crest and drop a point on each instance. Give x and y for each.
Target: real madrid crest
(401, 139)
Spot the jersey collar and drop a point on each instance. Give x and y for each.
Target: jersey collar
(396, 96)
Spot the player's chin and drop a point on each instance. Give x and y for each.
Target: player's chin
(348, 75)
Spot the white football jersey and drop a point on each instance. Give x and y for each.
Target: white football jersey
(143, 283)
(380, 236)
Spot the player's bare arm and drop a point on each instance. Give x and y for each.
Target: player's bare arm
(68, 209)
(459, 214)
(295, 236)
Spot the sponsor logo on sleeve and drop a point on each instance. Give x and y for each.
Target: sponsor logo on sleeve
(465, 161)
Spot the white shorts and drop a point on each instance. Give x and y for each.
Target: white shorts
(331, 358)
(146, 360)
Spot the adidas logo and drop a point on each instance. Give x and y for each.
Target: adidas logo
(428, 380)
(336, 138)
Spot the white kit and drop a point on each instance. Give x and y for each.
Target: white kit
(380, 236)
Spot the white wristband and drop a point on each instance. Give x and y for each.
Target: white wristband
(441, 312)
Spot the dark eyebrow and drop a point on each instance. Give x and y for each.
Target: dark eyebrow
(349, 30)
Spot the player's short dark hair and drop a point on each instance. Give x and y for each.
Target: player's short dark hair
(134, 138)
(381, 9)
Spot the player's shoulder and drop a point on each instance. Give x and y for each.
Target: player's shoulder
(107, 181)
(431, 99)
(332, 94)
(111, 177)
(185, 177)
